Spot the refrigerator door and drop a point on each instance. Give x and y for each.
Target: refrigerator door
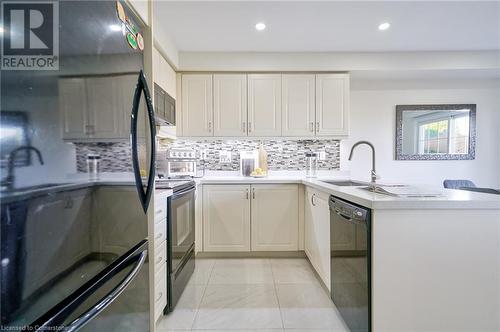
(144, 165)
(60, 229)
(115, 300)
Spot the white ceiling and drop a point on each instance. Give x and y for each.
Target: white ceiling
(307, 26)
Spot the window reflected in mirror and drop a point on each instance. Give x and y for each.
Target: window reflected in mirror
(435, 132)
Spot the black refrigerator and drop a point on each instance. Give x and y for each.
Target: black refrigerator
(73, 247)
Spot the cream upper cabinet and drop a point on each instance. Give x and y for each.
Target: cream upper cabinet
(332, 104)
(226, 218)
(264, 105)
(230, 105)
(104, 107)
(275, 217)
(317, 233)
(73, 108)
(298, 105)
(197, 106)
(96, 108)
(164, 74)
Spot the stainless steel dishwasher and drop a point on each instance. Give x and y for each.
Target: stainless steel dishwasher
(350, 242)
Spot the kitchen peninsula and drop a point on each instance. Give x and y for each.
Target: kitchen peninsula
(428, 254)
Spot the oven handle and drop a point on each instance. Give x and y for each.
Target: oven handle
(184, 192)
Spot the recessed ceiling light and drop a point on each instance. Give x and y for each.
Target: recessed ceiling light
(384, 26)
(1, 29)
(115, 27)
(260, 26)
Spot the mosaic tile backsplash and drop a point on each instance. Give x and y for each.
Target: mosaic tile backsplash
(115, 157)
(282, 154)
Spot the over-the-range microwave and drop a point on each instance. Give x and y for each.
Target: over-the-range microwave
(164, 107)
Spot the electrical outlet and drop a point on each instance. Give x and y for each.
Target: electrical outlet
(321, 155)
(225, 156)
(203, 154)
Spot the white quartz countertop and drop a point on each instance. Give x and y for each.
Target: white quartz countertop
(447, 199)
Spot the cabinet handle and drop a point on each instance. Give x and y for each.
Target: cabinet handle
(312, 199)
(158, 211)
(253, 193)
(157, 237)
(159, 297)
(210, 126)
(247, 195)
(311, 126)
(317, 127)
(158, 261)
(243, 126)
(249, 127)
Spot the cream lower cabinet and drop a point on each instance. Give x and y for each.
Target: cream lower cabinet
(317, 233)
(250, 217)
(226, 218)
(275, 219)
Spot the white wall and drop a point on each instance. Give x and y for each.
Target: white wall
(373, 119)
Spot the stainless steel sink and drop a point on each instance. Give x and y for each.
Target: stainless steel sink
(346, 183)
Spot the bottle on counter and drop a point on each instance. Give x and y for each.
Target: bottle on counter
(263, 158)
(93, 166)
(311, 164)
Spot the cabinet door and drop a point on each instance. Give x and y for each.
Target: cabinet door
(308, 233)
(103, 106)
(230, 105)
(321, 229)
(226, 218)
(125, 89)
(197, 108)
(169, 79)
(317, 233)
(73, 108)
(275, 217)
(332, 104)
(264, 105)
(298, 105)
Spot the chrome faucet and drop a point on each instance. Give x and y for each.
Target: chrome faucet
(9, 180)
(373, 173)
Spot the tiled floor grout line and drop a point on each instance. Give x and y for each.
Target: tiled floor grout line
(277, 297)
(202, 296)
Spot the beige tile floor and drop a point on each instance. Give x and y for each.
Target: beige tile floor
(248, 294)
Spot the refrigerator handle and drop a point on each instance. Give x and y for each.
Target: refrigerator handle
(106, 300)
(144, 195)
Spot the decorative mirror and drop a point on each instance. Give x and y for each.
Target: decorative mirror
(435, 132)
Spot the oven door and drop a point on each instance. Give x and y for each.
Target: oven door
(181, 225)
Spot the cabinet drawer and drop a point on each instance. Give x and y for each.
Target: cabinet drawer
(160, 292)
(160, 256)
(160, 208)
(160, 233)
